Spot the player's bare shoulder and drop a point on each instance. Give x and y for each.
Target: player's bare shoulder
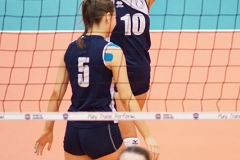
(113, 55)
(114, 51)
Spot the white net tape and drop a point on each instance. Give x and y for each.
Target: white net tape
(106, 116)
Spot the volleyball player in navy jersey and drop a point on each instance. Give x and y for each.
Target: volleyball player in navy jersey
(131, 33)
(91, 64)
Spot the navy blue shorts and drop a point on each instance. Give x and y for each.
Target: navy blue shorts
(140, 83)
(94, 142)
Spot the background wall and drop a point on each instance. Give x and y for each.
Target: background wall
(165, 14)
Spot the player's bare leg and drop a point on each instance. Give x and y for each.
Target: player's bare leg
(114, 155)
(141, 99)
(69, 156)
(111, 156)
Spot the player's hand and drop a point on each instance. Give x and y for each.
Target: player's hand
(45, 137)
(153, 147)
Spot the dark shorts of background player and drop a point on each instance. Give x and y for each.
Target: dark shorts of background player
(140, 83)
(94, 142)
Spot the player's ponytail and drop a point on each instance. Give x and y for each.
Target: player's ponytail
(92, 13)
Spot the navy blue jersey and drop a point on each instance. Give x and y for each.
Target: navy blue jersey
(132, 33)
(90, 79)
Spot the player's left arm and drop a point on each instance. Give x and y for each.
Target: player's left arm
(115, 60)
(149, 3)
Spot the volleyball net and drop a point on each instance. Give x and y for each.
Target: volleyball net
(195, 73)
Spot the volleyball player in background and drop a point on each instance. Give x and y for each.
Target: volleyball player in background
(132, 35)
(90, 64)
(134, 153)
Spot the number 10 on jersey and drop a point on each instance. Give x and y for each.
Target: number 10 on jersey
(135, 24)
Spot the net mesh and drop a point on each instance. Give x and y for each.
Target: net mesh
(195, 54)
(196, 71)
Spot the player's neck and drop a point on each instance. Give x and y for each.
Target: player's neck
(98, 30)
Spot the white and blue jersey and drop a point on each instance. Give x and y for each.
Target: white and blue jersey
(132, 34)
(90, 79)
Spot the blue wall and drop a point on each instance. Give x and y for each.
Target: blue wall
(195, 14)
(165, 14)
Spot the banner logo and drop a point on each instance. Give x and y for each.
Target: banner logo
(37, 116)
(168, 116)
(27, 116)
(65, 116)
(158, 116)
(195, 115)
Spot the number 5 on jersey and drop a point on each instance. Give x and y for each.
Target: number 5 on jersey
(83, 72)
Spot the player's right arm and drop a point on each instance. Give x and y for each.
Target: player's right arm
(150, 3)
(58, 92)
(117, 64)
